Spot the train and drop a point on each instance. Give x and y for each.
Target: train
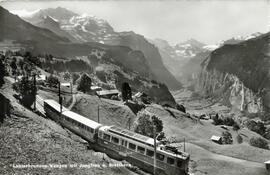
(120, 143)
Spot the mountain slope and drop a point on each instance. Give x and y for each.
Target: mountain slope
(176, 57)
(87, 28)
(13, 28)
(242, 72)
(49, 23)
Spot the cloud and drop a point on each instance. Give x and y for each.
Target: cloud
(24, 12)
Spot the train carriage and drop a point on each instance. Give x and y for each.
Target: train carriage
(139, 150)
(78, 124)
(82, 126)
(121, 143)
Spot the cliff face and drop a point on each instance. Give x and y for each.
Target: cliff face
(239, 75)
(231, 91)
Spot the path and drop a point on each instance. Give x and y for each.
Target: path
(73, 101)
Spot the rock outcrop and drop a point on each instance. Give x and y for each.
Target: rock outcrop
(238, 74)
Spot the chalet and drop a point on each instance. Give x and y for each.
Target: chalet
(65, 85)
(216, 139)
(96, 88)
(267, 165)
(41, 77)
(107, 93)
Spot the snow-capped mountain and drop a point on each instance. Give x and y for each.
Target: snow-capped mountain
(87, 28)
(233, 40)
(174, 57)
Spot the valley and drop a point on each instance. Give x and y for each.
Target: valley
(206, 103)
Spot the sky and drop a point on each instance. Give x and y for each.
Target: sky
(207, 21)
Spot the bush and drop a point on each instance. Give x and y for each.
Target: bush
(227, 138)
(239, 139)
(259, 142)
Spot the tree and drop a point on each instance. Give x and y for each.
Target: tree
(181, 108)
(75, 77)
(13, 66)
(239, 139)
(52, 81)
(267, 134)
(66, 76)
(2, 73)
(236, 127)
(217, 120)
(145, 124)
(227, 138)
(257, 127)
(259, 142)
(126, 92)
(27, 90)
(84, 83)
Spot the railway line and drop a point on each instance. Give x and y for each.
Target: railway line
(118, 143)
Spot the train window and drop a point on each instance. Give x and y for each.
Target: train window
(140, 149)
(106, 137)
(91, 130)
(149, 153)
(123, 142)
(160, 157)
(132, 146)
(179, 163)
(115, 140)
(170, 160)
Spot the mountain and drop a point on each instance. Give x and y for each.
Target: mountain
(127, 64)
(85, 28)
(175, 57)
(13, 28)
(239, 73)
(51, 24)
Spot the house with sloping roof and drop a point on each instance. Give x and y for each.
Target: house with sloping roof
(267, 165)
(216, 139)
(107, 93)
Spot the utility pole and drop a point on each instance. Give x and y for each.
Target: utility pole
(129, 121)
(98, 113)
(184, 145)
(155, 150)
(71, 87)
(35, 85)
(60, 98)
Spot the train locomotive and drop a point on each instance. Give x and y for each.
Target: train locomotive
(121, 144)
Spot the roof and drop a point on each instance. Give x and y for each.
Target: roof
(41, 77)
(267, 162)
(140, 94)
(65, 84)
(132, 135)
(108, 92)
(96, 88)
(81, 119)
(215, 138)
(55, 105)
